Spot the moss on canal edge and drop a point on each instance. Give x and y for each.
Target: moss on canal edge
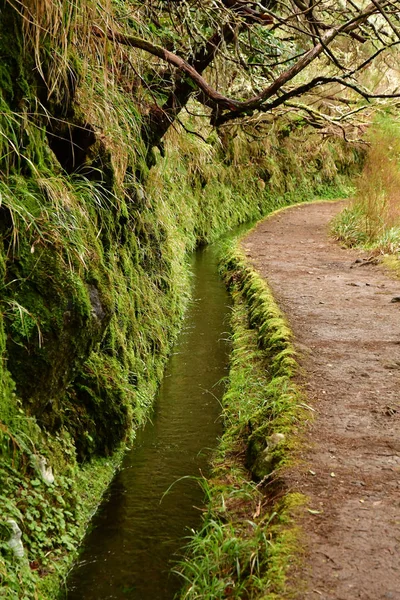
(249, 537)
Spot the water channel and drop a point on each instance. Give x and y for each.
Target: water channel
(139, 531)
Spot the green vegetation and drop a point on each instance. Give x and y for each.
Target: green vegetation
(95, 229)
(372, 220)
(248, 538)
(95, 283)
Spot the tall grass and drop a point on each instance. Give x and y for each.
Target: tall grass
(373, 218)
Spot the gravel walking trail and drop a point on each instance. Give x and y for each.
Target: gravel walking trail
(347, 332)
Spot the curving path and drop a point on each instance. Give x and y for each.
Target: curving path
(347, 332)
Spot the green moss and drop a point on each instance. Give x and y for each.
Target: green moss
(98, 408)
(249, 538)
(15, 68)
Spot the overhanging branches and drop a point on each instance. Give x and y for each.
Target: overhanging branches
(226, 108)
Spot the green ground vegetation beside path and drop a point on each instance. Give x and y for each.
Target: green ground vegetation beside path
(372, 220)
(248, 537)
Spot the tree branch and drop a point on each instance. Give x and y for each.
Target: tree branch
(301, 90)
(160, 119)
(172, 59)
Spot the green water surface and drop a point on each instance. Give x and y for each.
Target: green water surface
(139, 530)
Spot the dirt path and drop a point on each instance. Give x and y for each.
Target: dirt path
(347, 331)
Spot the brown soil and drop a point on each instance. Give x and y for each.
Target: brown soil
(347, 332)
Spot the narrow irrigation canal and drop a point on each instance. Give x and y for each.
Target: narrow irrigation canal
(139, 530)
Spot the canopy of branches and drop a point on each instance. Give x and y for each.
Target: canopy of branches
(329, 59)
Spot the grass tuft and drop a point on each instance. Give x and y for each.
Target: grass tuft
(372, 220)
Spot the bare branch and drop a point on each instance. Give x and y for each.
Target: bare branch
(383, 13)
(171, 58)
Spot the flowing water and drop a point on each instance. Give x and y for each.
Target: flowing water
(139, 530)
